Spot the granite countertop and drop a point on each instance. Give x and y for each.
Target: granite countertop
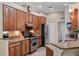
(65, 45)
(17, 40)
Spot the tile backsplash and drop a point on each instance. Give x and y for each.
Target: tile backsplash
(14, 33)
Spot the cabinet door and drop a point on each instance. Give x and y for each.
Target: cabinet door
(23, 19)
(18, 49)
(12, 16)
(20, 20)
(25, 47)
(27, 18)
(28, 46)
(35, 22)
(6, 20)
(39, 42)
(43, 19)
(31, 18)
(12, 51)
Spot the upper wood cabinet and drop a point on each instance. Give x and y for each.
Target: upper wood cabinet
(6, 20)
(43, 20)
(35, 21)
(12, 17)
(74, 19)
(9, 18)
(20, 18)
(27, 17)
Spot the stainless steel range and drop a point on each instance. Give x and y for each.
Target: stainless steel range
(33, 44)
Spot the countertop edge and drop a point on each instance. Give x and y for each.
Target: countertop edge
(64, 48)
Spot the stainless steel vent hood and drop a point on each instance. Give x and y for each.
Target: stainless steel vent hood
(29, 24)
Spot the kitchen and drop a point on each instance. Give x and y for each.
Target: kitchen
(23, 30)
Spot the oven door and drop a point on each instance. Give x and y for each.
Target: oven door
(33, 44)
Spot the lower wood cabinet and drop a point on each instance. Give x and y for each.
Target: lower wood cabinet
(25, 47)
(12, 51)
(39, 42)
(15, 49)
(49, 52)
(19, 48)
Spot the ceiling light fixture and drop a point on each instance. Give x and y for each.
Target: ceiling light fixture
(50, 8)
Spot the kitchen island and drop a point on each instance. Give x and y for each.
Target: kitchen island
(68, 48)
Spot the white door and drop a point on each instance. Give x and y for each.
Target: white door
(52, 31)
(61, 30)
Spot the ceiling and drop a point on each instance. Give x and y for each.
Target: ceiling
(45, 7)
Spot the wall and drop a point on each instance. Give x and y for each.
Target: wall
(55, 17)
(1, 22)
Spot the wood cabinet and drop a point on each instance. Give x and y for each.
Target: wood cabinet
(6, 20)
(23, 21)
(25, 47)
(19, 48)
(20, 17)
(39, 41)
(31, 18)
(9, 18)
(43, 19)
(49, 52)
(35, 22)
(15, 49)
(12, 17)
(12, 51)
(74, 19)
(27, 17)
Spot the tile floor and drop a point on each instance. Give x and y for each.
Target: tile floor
(39, 52)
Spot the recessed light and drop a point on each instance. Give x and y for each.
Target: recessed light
(40, 6)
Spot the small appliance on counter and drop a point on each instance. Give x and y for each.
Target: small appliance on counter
(5, 35)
